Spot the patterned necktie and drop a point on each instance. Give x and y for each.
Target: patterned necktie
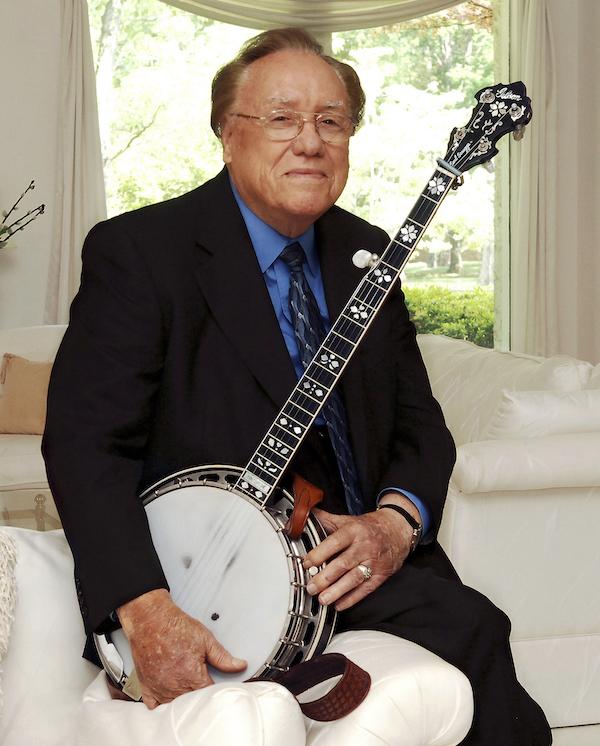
(310, 332)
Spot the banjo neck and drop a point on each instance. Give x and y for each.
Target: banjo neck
(274, 453)
(500, 109)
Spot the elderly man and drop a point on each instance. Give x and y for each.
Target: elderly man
(182, 347)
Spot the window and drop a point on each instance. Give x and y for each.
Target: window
(154, 68)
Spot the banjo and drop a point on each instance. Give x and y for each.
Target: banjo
(222, 532)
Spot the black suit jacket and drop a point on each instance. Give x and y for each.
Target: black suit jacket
(174, 358)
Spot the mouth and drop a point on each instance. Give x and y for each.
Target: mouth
(306, 173)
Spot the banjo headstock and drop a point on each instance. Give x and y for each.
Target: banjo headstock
(500, 109)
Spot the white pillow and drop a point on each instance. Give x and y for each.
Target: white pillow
(531, 414)
(467, 380)
(44, 673)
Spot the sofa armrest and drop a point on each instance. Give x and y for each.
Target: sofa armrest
(552, 461)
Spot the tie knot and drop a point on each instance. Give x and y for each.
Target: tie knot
(293, 255)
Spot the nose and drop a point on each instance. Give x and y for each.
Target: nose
(308, 141)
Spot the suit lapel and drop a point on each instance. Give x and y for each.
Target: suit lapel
(235, 290)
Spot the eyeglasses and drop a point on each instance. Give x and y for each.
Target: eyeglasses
(283, 124)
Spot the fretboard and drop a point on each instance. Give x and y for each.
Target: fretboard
(275, 451)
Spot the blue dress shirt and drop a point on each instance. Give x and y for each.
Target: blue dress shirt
(268, 245)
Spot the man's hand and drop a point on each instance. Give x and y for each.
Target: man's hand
(170, 649)
(378, 540)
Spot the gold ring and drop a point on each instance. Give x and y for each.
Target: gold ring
(366, 571)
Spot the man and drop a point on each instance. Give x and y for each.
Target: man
(181, 349)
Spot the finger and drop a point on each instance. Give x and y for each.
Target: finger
(343, 564)
(348, 582)
(357, 594)
(222, 659)
(335, 543)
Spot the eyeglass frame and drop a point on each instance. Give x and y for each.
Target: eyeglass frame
(301, 121)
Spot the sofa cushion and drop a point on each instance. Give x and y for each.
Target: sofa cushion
(44, 672)
(21, 462)
(531, 414)
(25, 390)
(467, 380)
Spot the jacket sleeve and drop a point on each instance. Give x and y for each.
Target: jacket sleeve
(100, 406)
(422, 451)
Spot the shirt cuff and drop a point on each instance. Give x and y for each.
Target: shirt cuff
(419, 505)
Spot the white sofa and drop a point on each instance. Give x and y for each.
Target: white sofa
(522, 508)
(523, 512)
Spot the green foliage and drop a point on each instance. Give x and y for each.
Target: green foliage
(449, 51)
(462, 315)
(154, 66)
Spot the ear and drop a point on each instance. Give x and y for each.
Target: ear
(226, 135)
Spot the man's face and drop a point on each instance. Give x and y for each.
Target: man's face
(287, 184)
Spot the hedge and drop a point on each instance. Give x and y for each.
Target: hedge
(467, 314)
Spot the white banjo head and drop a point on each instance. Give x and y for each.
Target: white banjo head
(229, 564)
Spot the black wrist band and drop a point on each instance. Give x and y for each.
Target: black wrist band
(417, 528)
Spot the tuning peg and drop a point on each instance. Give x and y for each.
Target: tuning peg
(518, 132)
(363, 259)
(489, 166)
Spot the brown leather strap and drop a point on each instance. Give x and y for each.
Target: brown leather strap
(341, 699)
(306, 496)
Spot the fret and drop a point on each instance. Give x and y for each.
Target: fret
(299, 415)
(359, 312)
(355, 319)
(423, 209)
(381, 278)
(366, 293)
(266, 467)
(304, 402)
(398, 255)
(329, 360)
(277, 444)
(371, 281)
(313, 391)
(272, 454)
(286, 421)
(362, 300)
(409, 234)
(381, 261)
(285, 435)
(320, 374)
(337, 334)
(339, 346)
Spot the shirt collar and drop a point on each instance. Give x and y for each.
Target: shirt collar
(269, 243)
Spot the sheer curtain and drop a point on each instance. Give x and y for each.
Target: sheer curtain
(318, 16)
(79, 198)
(533, 206)
(555, 220)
